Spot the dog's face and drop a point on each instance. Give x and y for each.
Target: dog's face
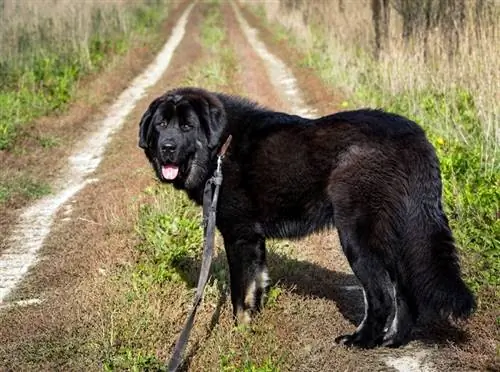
(179, 132)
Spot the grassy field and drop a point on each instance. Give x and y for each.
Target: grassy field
(46, 48)
(45, 54)
(451, 92)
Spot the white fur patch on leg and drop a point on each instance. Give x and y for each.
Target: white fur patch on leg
(366, 312)
(393, 329)
(250, 294)
(262, 283)
(263, 279)
(243, 316)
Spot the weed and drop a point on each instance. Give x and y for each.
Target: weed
(132, 360)
(272, 296)
(218, 71)
(24, 187)
(42, 58)
(248, 366)
(211, 32)
(48, 142)
(240, 360)
(171, 235)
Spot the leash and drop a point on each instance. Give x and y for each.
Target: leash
(210, 198)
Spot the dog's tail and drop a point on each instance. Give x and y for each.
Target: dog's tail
(431, 267)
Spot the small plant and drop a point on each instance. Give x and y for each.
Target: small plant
(133, 360)
(171, 233)
(230, 363)
(273, 295)
(25, 187)
(48, 142)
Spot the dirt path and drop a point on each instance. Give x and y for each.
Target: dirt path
(35, 222)
(77, 297)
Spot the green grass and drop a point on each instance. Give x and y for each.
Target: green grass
(24, 187)
(42, 77)
(171, 236)
(48, 142)
(128, 359)
(228, 363)
(212, 34)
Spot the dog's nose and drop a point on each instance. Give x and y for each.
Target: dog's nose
(168, 147)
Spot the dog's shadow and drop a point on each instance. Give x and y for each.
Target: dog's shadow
(311, 280)
(299, 277)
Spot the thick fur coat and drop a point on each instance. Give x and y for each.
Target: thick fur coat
(371, 174)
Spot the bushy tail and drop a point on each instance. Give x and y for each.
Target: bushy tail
(432, 271)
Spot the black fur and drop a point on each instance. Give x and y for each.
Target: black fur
(370, 173)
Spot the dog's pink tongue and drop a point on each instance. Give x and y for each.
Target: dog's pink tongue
(169, 171)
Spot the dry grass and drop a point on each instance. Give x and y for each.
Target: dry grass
(47, 46)
(32, 28)
(423, 62)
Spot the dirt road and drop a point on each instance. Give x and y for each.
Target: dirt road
(79, 306)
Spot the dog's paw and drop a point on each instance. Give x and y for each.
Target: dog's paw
(356, 340)
(394, 341)
(243, 317)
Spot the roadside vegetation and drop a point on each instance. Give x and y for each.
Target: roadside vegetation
(435, 63)
(46, 48)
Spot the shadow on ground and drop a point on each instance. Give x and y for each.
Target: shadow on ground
(300, 277)
(311, 280)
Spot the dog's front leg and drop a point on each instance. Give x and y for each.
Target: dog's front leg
(246, 256)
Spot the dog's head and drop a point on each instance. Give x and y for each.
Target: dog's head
(180, 133)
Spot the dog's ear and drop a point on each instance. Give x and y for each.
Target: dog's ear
(215, 125)
(145, 127)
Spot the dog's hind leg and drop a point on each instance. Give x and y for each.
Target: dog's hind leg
(248, 272)
(403, 319)
(376, 287)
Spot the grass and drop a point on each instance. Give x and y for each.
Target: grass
(171, 237)
(22, 187)
(43, 58)
(458, 114)
(130, 360)
(48, 142)
(216, 72)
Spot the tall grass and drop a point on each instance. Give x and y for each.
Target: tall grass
(450, 88)
(47, 45)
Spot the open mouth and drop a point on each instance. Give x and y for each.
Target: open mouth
(170, 171)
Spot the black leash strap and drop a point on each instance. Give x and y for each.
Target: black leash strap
(210, 198)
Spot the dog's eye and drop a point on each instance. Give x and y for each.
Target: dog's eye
(185, 127)
(163, 124)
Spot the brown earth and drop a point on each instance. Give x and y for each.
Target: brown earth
(83, 255)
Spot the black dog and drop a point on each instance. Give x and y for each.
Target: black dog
(372, 174)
